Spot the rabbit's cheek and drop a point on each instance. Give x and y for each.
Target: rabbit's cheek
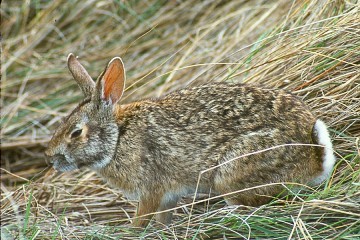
(100, 163)
(64, 167)
(62, 164)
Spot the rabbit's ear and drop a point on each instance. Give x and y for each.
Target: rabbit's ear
(111, 83)
(80, 75)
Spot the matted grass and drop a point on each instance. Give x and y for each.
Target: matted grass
(311, 48)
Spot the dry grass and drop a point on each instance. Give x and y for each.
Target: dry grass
(311, 48)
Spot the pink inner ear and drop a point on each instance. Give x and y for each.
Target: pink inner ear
(114, 81)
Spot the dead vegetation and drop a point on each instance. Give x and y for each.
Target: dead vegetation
(311, 48)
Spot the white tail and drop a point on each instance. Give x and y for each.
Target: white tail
(323, 138)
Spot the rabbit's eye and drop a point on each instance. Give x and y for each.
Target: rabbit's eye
(76, 133)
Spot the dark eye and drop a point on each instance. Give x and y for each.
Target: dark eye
(76, 133)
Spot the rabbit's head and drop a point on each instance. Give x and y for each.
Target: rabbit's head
(87, 137)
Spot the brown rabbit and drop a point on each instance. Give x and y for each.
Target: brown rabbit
(155, 149)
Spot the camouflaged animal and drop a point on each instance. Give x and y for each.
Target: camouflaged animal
(155, 149)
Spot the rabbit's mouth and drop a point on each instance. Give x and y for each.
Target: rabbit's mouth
(60, 163)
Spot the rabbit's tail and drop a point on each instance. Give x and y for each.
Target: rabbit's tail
(321, 136)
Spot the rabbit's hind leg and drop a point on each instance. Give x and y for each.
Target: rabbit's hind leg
(252, 197)
(247, 199)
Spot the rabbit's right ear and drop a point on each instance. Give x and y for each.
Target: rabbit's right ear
(111, 83)
(81, 76)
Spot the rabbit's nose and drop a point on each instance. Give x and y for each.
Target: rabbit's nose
(49, 152)
(49, 157)
(48, 160)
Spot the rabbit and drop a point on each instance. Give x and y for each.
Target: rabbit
(155, 149)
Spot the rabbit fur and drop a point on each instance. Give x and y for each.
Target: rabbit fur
(155, 149)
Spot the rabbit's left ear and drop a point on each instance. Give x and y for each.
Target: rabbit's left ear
(80, 75)
(111, 83)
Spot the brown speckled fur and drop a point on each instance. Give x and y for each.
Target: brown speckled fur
(155, 149)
